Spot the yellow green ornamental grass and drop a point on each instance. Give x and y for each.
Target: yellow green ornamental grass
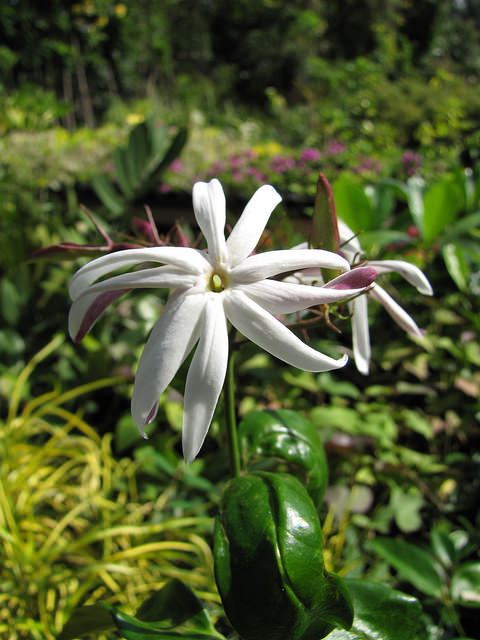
(72, 529)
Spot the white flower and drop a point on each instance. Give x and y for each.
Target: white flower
(350, 248)
(210, 287)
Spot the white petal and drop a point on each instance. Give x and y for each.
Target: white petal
(171, 340)
(271, 263)
(192, 260)
(156, 278)
(360, 334)
(246, 233)
(407, 270)
(210, 211)
(286, 297)
(205, 377)
(397, 312)
(261, 327)
(85, 311)
(349, 243)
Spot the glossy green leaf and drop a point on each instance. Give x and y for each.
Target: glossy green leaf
(269, 563)
(352, 205)
(413, 564)
(381, 613)
(465, 585)
(289, 437)
(89, 619)
(441, 203)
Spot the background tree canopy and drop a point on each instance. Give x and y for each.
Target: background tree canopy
(87, 52)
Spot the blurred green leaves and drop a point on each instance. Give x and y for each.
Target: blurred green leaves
(150, 150)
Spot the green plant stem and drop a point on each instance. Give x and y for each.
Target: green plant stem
(230, 415)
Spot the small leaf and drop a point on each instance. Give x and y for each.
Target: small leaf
(174, 605)
(380, 613)
(465, 585)
(89, 619)
(412, 563)
(406, 506)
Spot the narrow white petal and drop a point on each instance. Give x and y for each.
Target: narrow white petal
(270, 334)
(155, 278)
(171, 340)
(272, 263)
(397, 312)
(85, 311)
(349, 243)
(191, 260)
(205, 377)
(210, 211)
(360, 334)
(286, 297)
(407, 270)
(246, 233)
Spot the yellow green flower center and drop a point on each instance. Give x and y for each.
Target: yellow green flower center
(218, 282)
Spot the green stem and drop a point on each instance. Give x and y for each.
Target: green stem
(230, 415)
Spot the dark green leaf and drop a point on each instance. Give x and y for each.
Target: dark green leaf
(269, 563)
(381, 613)
(174, 605)
(90, 619)
(288, 436)
(412, 563)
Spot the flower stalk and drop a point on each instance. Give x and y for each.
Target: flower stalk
(230, 414)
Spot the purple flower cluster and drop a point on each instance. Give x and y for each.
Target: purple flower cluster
(411, 162)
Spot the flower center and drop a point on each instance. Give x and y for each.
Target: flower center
(218, 282)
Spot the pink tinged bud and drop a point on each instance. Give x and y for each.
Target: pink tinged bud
(181, 238)
(95, 310)
(413, 231)
(144, 228)
(357, 278)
